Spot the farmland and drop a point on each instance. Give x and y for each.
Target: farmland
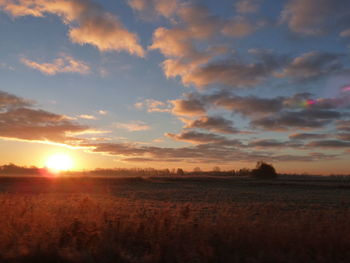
(174, 219)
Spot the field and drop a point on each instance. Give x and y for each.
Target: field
(174, 219)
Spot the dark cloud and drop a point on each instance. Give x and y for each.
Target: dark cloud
(197, 137)
(18, 120)
(313, 65)
(192, 105)
(329, 144)
(314, 17)
(216, 124)
(344, 136)
(199, 21)
(276, 114)
(307, 136)
(202, 153)
(271, 143)
(304, 119)
(235, 72)
(11, 101)
(249, 105)
(343, 125)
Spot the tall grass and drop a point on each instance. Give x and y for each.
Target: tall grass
(101, 228)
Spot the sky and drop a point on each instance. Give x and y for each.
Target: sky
(175, 83)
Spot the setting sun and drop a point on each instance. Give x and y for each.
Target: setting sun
(59, 162)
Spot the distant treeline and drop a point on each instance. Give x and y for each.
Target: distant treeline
(9, 169)
(12, 169)
(20, 170)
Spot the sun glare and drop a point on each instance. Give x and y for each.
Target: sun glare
(59, 162)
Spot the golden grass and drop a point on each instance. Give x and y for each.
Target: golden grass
(102, 228)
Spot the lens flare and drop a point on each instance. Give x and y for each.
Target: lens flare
(346, 88)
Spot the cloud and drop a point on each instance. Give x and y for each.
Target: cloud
(329, 144)
(247, 6)
(87, 117)
(344, 136)
(64, 64)
(313, 64)
(102, 112)
(271, 143)
(312, 17)
(200, 22)
(153, 106)
(19, 120)
(299, 111)
(201, 153)
(9, 101)
(305, 119)
(215, 124)
(343, 125)
(190, 50)
(345, 33)
(239, 27)
(190, 106)
(174, 42)
(196, 137)
(236, 72)
(249, 105)
(133, 126)
(307, 136)
(150, 8)
(88, 22)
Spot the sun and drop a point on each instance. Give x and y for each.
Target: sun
(59, 162)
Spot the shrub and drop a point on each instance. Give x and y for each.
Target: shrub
(264, 170)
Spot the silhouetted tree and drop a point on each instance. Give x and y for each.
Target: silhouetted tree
(264, 170)
(180, 171)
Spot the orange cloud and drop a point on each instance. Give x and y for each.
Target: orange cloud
(150, 7)
(153, 106)
(239, 27)
(64, 64)
(20, 121)
(189, 106)
(87, 117)
(133, 126)
(89, 23)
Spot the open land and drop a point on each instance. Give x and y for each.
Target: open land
(174, 219)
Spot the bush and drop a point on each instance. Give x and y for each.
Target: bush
(264, 170)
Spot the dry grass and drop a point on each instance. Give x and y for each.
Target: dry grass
(104, 228)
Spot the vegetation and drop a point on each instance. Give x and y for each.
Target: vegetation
(90, 229)
(180, 219)
(264, 171)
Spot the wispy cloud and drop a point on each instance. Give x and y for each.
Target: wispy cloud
(153, 105)
(132, 126)
(63, 64)
(87, 117)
